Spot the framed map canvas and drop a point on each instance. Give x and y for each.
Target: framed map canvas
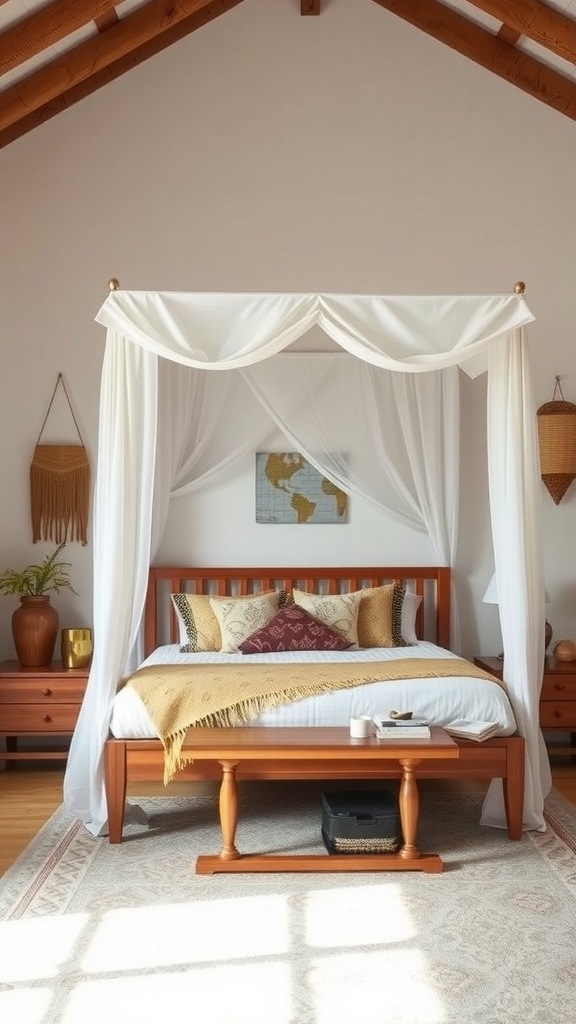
(290, 490)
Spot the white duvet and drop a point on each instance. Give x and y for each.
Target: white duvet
(439, 700)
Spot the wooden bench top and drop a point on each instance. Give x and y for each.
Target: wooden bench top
(313, 743)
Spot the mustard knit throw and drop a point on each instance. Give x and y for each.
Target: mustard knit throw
(179, 697)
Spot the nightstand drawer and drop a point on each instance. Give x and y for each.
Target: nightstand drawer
(21, 719)
(558, 714)
(38, 691)
(558, 688)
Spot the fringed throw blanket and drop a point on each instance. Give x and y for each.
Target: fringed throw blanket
(179, 697)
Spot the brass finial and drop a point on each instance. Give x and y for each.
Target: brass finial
(113, 284)
(519, 287)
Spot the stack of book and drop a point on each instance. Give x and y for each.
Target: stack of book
(401, 728)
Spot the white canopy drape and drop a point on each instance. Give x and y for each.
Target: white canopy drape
(162, 432)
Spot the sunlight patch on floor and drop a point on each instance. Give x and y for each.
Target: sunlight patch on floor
(36, 947)
(343, 917)
(242, 993)
(327, 956)
(25, 1006)
(189, 933)
(374, 987)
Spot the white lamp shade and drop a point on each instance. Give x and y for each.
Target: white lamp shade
(491, 592)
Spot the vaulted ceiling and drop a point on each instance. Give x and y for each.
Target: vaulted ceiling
(53, 53)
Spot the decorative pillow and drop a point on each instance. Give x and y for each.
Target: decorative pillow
(375, 616)
(293, 629)
(198, 626)
(238, 618)
(337, 611)
(397, 604)
(410, 606)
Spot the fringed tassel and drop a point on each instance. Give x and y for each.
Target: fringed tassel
(60, 493)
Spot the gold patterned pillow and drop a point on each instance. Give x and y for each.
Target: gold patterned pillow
(197, 623)
(238, 618)
(337, 611)
(375, 616)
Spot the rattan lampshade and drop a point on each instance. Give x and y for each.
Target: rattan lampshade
(557, 440)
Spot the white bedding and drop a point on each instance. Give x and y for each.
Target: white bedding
(440, 700)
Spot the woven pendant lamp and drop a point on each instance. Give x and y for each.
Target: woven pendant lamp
(557, 440)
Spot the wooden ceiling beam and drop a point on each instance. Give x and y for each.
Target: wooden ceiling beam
(107, 20)
(486, 49)
(508, 35)
(46, 26)
(70, 69)
(70, 96)
(538, 22)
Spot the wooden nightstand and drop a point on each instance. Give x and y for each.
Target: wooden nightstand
(39, 702)
(557, 699)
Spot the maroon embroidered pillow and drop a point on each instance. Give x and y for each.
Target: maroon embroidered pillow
(293, 629)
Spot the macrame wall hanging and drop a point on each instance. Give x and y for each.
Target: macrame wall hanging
(60, 486)
(557, 440)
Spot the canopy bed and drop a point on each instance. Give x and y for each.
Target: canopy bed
(180, 377)
(134, 753)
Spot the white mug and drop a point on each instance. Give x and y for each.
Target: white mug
(361, 727)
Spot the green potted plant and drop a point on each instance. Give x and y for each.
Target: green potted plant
(35, 622)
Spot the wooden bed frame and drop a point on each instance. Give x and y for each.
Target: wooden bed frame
(129, 760)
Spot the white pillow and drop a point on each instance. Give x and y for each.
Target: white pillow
(337, 611)
(238, 618)
(410, 606)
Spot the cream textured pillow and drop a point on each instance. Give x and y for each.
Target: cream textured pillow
(238, 618)
(375, 616)
(338, 611)
(197, 623)
(410, 606)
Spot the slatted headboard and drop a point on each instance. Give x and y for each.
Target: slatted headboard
(432, 583)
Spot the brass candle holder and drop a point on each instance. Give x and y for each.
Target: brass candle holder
(76, 647)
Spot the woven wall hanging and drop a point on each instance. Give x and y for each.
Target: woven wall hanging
(60, 486)
(557, 440)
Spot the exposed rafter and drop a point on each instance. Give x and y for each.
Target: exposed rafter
(544, 25)
(508, 35)
(114, 40)
(491, 51)
(45, 27)
(109, 54)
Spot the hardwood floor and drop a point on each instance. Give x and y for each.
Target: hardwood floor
(30, 795)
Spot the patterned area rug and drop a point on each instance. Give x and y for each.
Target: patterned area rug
(98, 934)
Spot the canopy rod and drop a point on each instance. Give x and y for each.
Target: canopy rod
(114, 285)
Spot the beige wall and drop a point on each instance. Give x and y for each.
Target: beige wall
(271, 152)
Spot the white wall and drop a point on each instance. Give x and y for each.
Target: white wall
(272, 152)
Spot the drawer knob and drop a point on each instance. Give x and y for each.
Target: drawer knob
(557, 714)
(47, 692)
(559, 687)
(46, 718)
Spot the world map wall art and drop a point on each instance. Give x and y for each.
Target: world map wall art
(290, 490)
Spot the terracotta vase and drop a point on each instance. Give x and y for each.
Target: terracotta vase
(34, 628)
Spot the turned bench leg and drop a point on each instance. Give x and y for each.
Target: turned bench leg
(228, 809)
(409, 804)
